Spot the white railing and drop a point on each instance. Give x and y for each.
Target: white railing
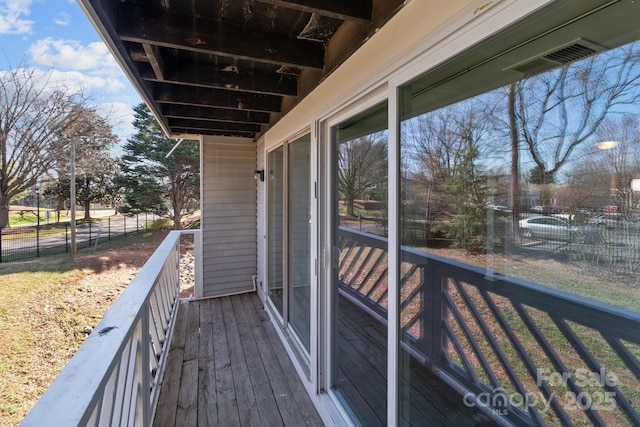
(114, 378)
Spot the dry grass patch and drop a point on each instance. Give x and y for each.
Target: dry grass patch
(46, 306)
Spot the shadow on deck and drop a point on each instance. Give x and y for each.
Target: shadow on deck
(227, 367)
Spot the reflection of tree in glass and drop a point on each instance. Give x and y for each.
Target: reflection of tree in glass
(362, 169)
(602, 177)
(443, 150)
(559, 110)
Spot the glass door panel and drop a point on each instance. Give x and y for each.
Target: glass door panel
(359, 288)
(276, 231)
(299, 215)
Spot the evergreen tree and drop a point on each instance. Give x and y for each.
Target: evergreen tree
(151, 180)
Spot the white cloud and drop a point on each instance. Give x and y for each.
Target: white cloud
(78, 81)
(12, 17)
(71, 81)
(63, 19)
(71, 54)
(89, 66)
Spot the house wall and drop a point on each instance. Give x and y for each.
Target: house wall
(424, 31)
(228, 215)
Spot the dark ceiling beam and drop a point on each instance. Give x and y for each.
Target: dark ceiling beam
(195, 131)
(147, 26)
(214, 126)
(155, 59)
(214, 114)
(345, 10)
(189, 95)
(205, 75)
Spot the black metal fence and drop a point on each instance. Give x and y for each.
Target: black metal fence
(23, 242)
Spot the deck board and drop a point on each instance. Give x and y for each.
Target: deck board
(227, 367)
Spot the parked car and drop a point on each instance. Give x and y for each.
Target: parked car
(541, 209)
(554, 228)
(609, 220)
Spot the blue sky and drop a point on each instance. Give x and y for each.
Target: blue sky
(56, 36)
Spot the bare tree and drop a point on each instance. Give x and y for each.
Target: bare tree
(559, 110)
(362, 167)
(95, 167)
(604, 176)
(439, 145)
(33, 114)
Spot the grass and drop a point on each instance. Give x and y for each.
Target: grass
(45, 306)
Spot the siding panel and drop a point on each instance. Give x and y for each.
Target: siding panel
(229, 215)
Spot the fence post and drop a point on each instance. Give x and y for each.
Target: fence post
(137, 222)
(0, 244)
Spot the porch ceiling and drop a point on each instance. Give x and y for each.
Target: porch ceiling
(232, 68)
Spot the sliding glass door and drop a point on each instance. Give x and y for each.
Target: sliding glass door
(275, 201)
(299, 230)
(359, 279)
(289, 234)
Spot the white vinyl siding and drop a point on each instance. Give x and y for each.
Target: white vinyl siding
(228, 215)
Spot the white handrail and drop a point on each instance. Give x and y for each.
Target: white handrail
(114, 378)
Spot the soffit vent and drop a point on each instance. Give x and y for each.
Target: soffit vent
(562, 55)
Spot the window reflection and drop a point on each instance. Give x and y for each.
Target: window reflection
(473, 171)
(361, 263)
(507, 198)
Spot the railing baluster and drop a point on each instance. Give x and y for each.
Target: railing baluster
(115, 374)
(591, 362)
(530, 365)
(477, 350)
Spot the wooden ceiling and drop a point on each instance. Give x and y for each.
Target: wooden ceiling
(232, 67)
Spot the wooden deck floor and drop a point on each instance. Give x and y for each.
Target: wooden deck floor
(227, 367)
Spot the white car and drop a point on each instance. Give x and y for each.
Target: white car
(554, 228)
(609, 220)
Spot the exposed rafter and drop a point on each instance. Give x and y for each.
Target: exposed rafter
(187, 95)
(145, 26)
(219, 67)
(206, 75)
(349, 10)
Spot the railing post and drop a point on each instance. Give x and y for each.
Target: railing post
(433, 313)
(147, 381)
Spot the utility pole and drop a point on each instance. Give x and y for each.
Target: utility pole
(72, 191)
